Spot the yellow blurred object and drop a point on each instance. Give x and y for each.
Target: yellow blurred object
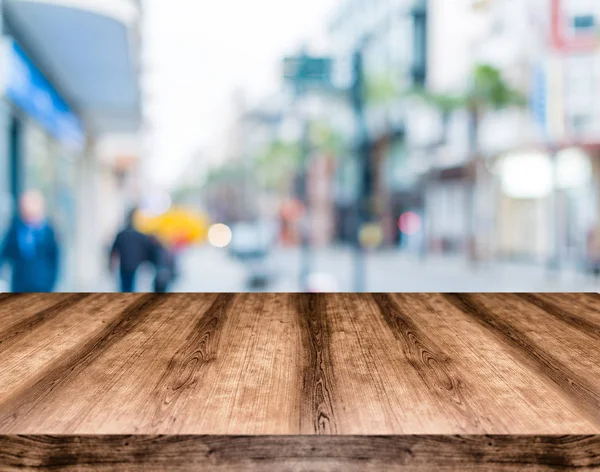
(178, 227)
(371, 236)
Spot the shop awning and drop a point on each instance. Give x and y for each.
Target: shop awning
(465, 171)
(87, 49)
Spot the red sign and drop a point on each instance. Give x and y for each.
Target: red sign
(564, 37)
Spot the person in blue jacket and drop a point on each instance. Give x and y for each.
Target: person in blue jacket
(30, 247)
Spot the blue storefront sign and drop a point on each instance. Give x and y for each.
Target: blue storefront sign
(539, 99)
(28, 89)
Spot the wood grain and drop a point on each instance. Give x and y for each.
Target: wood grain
(316, 403)
(522, 331)
(300, 453)
(300, 381)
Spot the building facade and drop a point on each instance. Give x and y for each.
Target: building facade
(534, 196)
(393, 37)
(70, 79)
(534, 199)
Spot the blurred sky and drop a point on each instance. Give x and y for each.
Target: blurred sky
(198, 53)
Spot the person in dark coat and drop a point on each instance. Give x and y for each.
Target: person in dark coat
(131, 248)
(30, 247)
(164, 261)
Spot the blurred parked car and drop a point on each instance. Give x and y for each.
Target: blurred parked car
(251, 244)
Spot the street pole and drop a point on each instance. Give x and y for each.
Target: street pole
(554, 261)
(364, 203)
(306, 253)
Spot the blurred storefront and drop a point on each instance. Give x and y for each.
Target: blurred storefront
(400, 176)
(546, 206)
(50, 166)
(43, 140)
(448, 196)
(69, 79)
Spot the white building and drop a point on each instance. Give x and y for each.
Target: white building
(548, 50)
(506, 34)
(545, 48)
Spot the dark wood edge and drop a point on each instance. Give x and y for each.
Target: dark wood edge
(422, 452)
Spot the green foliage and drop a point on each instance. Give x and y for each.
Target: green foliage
(280, 160)
(277, 162)
(327, 140)
(444, 103)
(487, 90)
(381, 89)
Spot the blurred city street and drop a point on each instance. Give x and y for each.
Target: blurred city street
(208, 269)
(177, 157)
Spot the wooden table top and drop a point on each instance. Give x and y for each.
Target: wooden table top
(300, 364)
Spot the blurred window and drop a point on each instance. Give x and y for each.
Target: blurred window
(581, 89)
(39, 163)
(584, 23)
(581, 123)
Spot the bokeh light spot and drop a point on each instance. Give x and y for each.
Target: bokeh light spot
(219, 235)
(371, 236)
(410, 223)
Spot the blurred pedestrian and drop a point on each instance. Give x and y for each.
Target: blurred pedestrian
(593, 252)
(30, 247)
(164, 260)
(130, 249)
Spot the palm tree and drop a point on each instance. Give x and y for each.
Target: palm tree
(281, 159)
(487, 91)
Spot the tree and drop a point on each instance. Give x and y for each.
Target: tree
(381, 89)
(488, 90)
(278, 161)
(282, 159)
(327, 140)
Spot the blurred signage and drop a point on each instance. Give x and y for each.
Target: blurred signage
(28, 89)
(547, 99)
(308, 71)
(575, 25)
(538, 99)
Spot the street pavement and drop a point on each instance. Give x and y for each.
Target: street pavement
(207, 269)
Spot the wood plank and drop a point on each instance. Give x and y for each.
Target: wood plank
(300, 453)
(302, 364)
(255, 378)
(512, 394)
(563, 354)
(316, 402)
(28, 400)
(21, 313)
(566, 309)
(379, 388)
(30, 352)
(120, 380)
(252, 385)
